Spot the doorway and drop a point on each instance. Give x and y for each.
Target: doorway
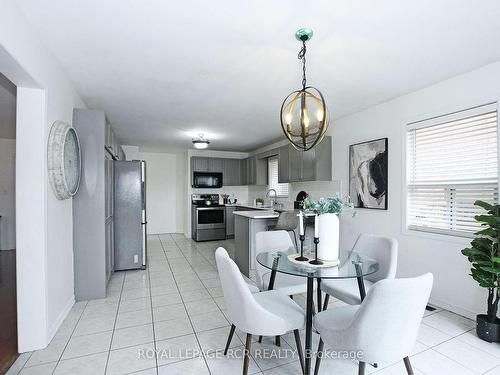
(8, 307)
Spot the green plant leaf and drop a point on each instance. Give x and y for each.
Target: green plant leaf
(490, 232)
(495, 259)
(485, 205)
(490, 220)
(493, 270)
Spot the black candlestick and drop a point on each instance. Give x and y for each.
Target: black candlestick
(316, 261)
(302, 258)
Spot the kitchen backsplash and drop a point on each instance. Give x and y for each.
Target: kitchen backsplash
(315, 189)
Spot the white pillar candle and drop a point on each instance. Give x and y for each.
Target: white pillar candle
(316, 226)
(301, 223)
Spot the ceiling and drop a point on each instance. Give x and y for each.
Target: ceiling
(164, 71)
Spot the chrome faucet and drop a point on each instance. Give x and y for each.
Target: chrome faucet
(273, 200)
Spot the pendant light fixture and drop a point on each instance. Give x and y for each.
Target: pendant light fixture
(304, 116)
(200, 143)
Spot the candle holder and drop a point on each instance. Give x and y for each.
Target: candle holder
(316, 261)
(302, 258)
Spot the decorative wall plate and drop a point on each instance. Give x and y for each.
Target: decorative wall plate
(64, 160)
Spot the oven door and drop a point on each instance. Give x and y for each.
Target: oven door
(207, 180)
(210, 217)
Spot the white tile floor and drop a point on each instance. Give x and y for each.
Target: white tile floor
(176, 306)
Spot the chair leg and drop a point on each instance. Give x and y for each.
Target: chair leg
(299, 349)
(260, 339)
(361, 368)
(407, 362)
(318, 356)
(277, 340)
(295, 239)
(246, 359)
(231, 333)
(325, 304)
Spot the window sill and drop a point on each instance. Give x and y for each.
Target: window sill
(436, 236)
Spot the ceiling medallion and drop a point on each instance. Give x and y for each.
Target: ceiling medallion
(200, 143)
(304, 116)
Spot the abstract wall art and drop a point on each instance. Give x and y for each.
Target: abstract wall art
(368, 174)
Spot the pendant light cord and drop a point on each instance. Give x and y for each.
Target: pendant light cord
(302, 56)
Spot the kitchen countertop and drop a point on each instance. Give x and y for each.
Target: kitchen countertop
(260, 214)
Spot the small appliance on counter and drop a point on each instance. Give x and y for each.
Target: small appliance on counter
(208, 218)
(299, 201)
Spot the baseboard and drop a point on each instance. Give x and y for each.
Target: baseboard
(60, 319)
(453, 308)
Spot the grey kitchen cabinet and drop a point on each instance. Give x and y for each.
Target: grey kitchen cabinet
(312, 165)
(199, 164)
(283, 161)
(92, 207)
(253, 171)
(202, 164)
(231, 172)
(230, 222)
(215, 165)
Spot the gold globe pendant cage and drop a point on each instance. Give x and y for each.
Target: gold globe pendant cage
(304, 116)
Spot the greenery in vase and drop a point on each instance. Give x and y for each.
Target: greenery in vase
(333, 205)
(484, 256)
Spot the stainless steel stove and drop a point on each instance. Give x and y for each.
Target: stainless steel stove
(208, 218)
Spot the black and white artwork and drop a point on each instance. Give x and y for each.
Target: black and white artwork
(368, 174)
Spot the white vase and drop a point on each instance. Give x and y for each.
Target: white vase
(328, 247)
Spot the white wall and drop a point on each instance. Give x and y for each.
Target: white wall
(131, 152)
(165, 189)
(7, 194)
(419, 253)
(44, 224)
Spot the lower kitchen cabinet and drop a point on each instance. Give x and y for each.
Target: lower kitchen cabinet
(230, 222)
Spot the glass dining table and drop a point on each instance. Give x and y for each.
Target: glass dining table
(352, 265)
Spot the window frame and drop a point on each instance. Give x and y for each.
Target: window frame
(456, 237)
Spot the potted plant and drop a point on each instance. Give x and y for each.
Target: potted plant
(328, 210)
(485, 258)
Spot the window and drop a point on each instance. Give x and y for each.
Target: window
(272, 178)
(451, 162)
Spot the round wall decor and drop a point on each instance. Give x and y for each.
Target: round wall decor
(64, 160)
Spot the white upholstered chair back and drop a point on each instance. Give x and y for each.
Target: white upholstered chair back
(386, 325)
(242, 309)
(278, 240)
(384, 250)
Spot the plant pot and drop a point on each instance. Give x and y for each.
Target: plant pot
(328, 247)
(487, 330)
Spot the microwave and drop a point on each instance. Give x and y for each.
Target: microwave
(207, 180)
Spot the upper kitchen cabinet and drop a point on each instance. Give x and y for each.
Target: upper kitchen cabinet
(254, 171)
(312, 165)
(232, 172)
(112, 144)
(202, 164)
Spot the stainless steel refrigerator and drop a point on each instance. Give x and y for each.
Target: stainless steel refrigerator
(130, 215)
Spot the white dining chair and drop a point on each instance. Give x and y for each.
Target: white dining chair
(382, 249)
(269, 313)
(278, 240)
(383, 328)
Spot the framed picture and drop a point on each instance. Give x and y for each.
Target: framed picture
(368, 174)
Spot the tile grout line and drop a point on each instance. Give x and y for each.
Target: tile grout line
(70, 337)
(152, 313)
(114, 324)
(183, 303)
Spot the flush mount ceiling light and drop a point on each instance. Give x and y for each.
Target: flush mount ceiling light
(304, 116)
(200, 143)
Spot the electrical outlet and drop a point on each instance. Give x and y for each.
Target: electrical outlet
(136, 258)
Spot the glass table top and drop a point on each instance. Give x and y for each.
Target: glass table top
(278, 260)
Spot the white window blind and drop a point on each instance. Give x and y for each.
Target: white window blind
(452, 161)
(272, 170)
